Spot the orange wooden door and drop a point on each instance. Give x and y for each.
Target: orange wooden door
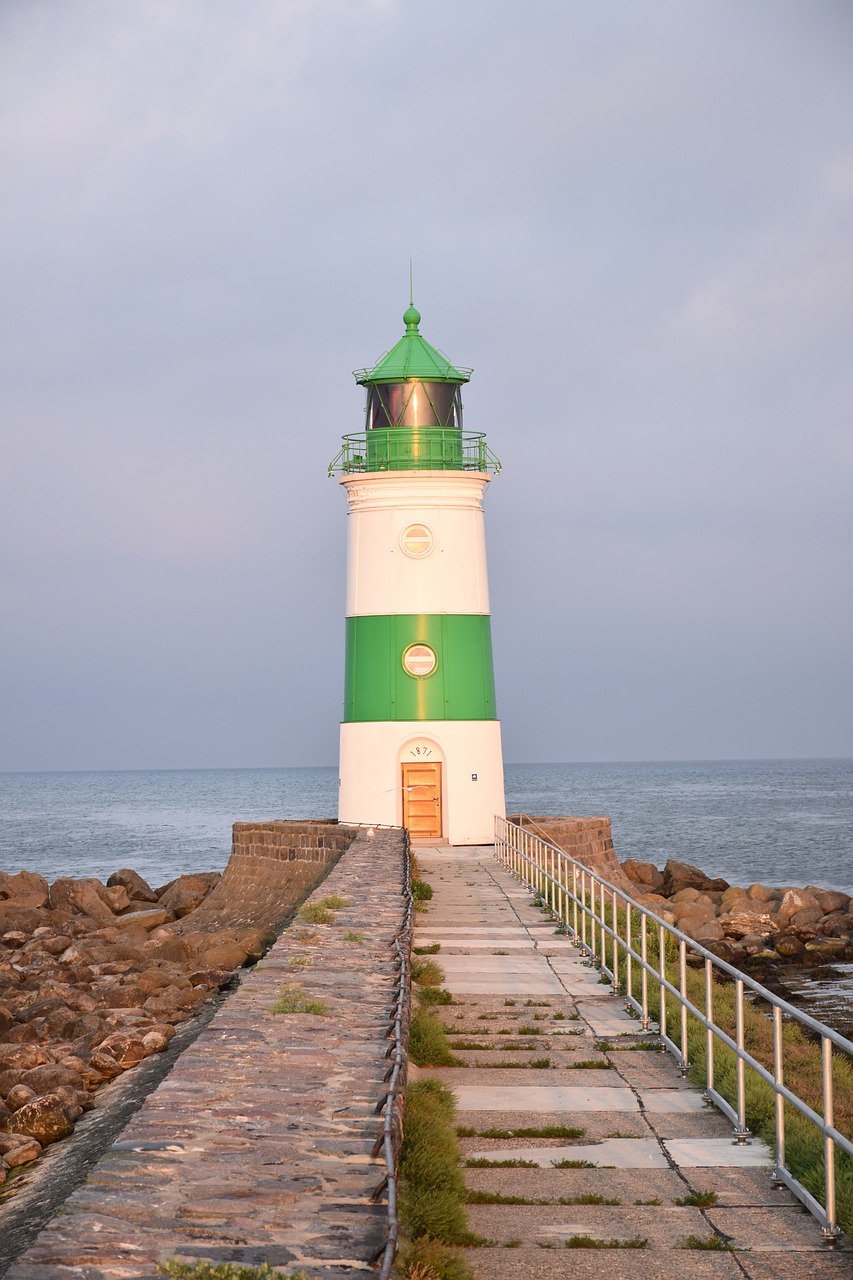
(422, 799)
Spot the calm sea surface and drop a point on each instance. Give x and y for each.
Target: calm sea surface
(775, 821)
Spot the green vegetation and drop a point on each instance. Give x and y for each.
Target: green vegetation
(482, 1162)
(654, 1200)
(436, 995)
(537, 1004)
(333, 902)
(496, 1197)
(226, 1271)
(426, 973)
(543, 1131)
(698, 1199)
(432, 950)
(428, 1043)
(432, 1188)
(509, 1003)
(292, 999)
(323, 910)
(315, 914)
(352, 936)
(421, 891)
(715, 1244)
(590, 1242)
(573, 1164)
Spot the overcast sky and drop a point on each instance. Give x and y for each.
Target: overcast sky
(634, 219)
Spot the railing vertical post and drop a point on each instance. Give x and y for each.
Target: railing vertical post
(615, 966)
(779, 1078)
(564, 920)
(602, 926)
(682, 986)
(629, 959)
(575, 899)
(662, 979)
(644, 976)
(552, 893)
(709, 1034)
(831, 1229)
(741, 1132)
(584, 946)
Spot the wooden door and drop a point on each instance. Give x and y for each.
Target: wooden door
(422, 799)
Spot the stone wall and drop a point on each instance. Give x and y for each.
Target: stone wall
(587, 840)
(273, 865)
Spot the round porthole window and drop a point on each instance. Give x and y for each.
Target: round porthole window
(417, 540)
(419, 660)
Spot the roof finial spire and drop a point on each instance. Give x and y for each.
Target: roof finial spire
(411, 316)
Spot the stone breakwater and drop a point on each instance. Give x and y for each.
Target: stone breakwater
(747, 926)
(260, 1146)
(94, 977)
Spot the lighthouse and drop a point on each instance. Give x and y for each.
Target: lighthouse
(420, 739)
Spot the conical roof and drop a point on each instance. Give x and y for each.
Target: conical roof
(412, 357)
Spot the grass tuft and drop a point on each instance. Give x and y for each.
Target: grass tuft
(714, 1244)
(590, 1242)
(352, 936)
(432, 950)
(428, 1042)
(573, 1164)
(225, 1271)
(432, 1188)
(421, 891)
(292, 999)
(542, 1131)
(482, 1162)
(698, 1200)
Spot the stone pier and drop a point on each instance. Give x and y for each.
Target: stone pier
(258, 1146)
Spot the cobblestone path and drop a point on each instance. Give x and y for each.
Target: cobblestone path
(258, 1146)
(546, 1045)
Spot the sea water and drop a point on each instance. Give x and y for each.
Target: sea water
(778, 822)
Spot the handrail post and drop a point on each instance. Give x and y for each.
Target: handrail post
(682, 986)
(779, 1101)
(575, 899)
(629, 959)
(615, 968)
(831, 1230)
(644, 977)
(661, 987)
(584, 946)
(709, 1033)
(742, 1134)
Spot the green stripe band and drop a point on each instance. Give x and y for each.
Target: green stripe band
(462, 687)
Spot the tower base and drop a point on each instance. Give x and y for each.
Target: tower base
(441, 778)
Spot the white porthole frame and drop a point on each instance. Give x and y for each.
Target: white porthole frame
(417, 555)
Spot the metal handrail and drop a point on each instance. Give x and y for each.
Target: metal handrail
(390, 1139)
(581, 899)
(436, 448)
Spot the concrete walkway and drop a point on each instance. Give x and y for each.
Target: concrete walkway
(546, 1045)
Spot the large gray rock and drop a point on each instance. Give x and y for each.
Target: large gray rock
(25, 888)
(138, 890)
(740, 924)
(682, 875)
(81, 897)
(46, 1119)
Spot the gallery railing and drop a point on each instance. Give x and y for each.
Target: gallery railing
(652, 964)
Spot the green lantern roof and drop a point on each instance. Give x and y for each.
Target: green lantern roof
(412, 357)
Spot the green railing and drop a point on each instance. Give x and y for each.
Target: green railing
(414, 449)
